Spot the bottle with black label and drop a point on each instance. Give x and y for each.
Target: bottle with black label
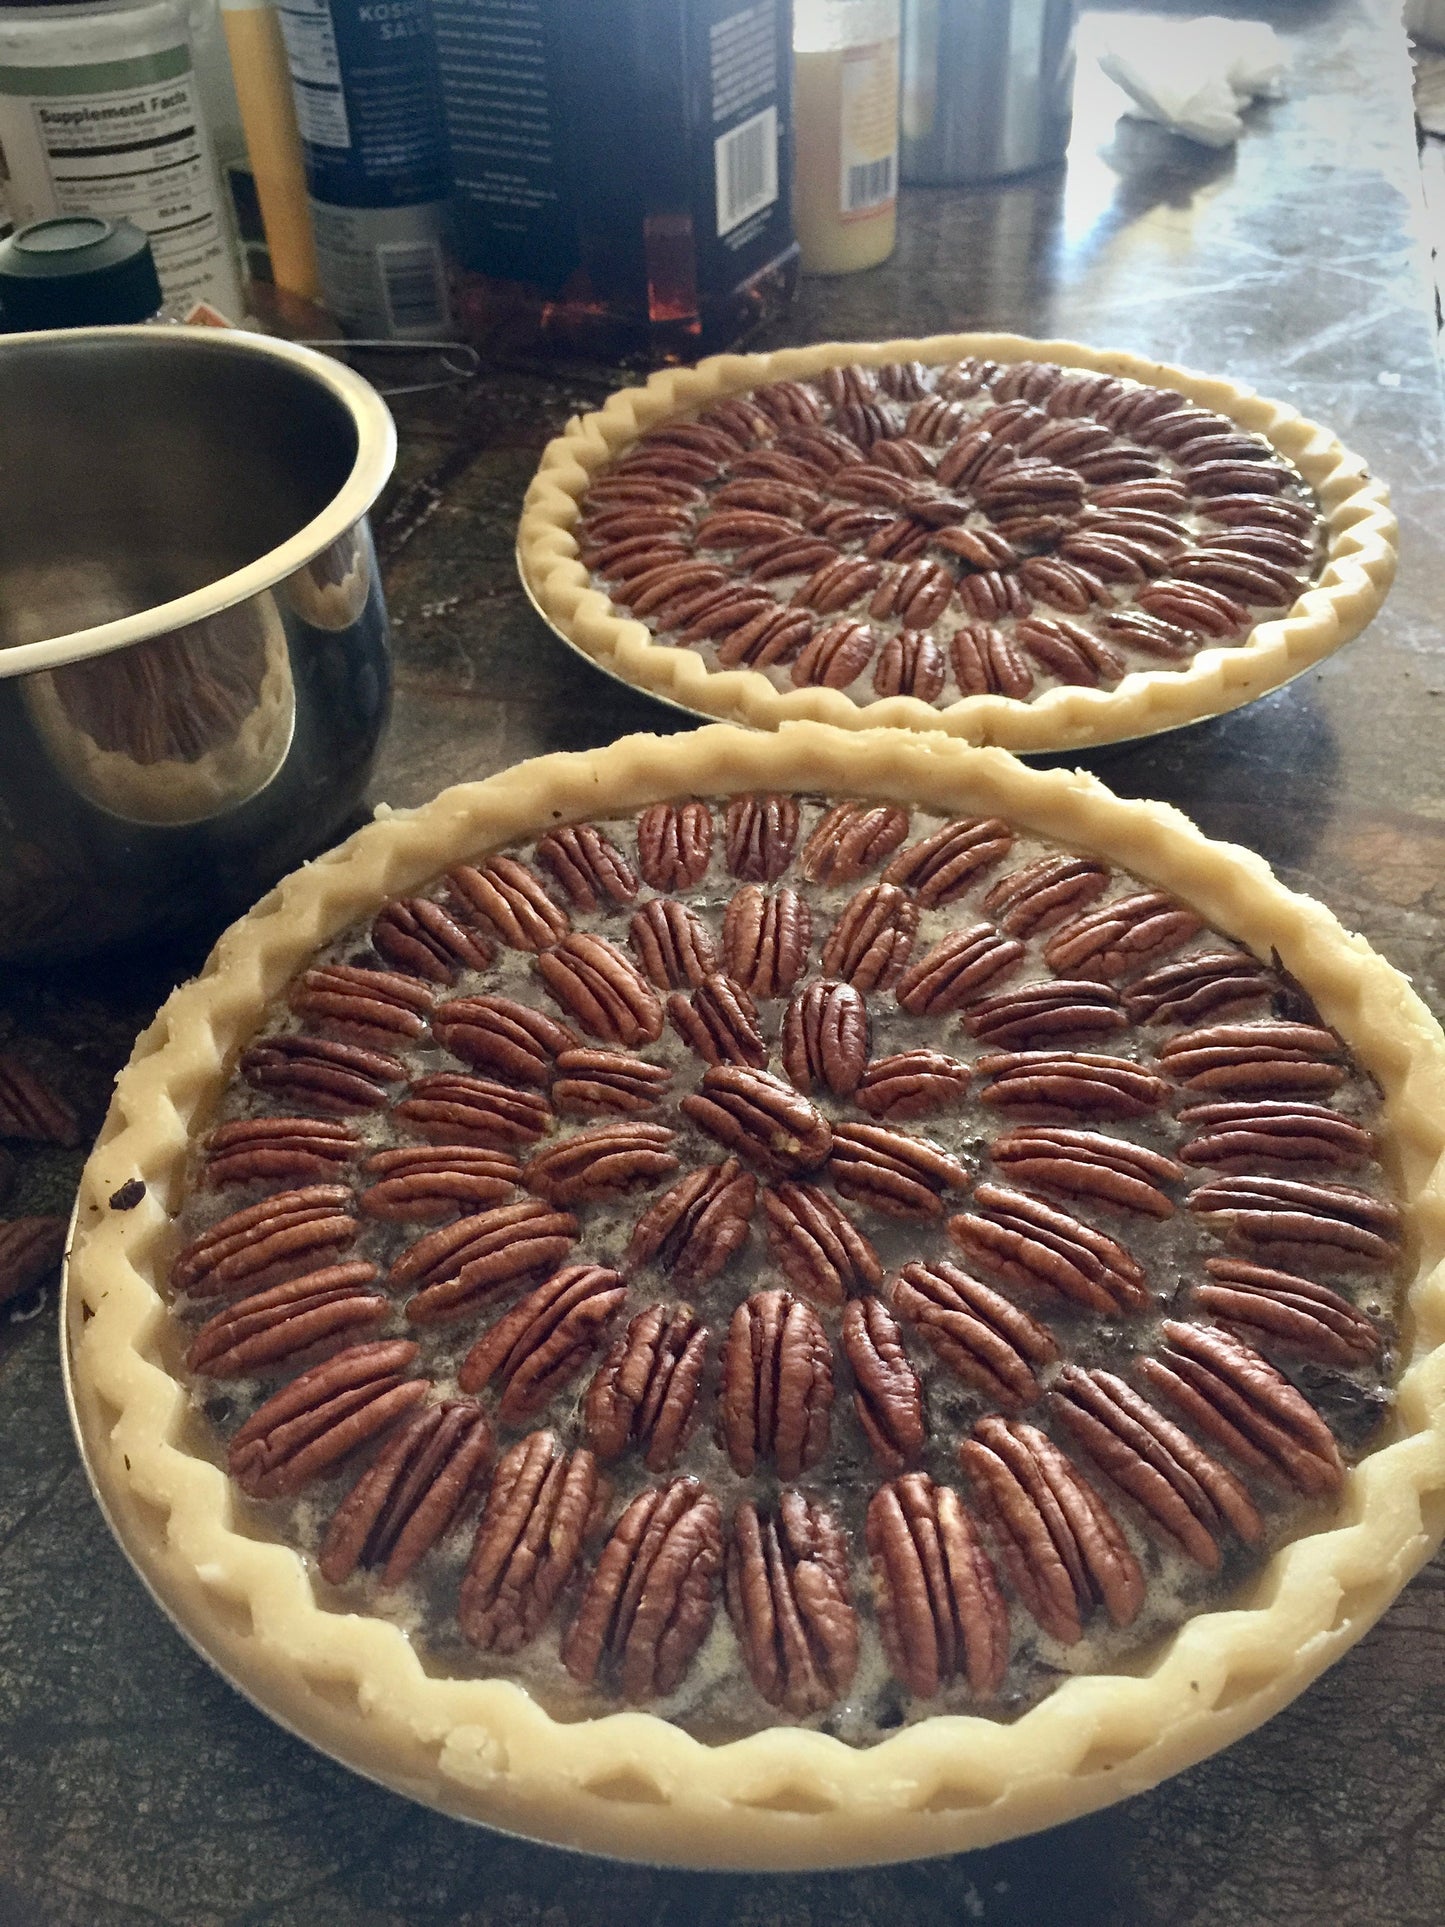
(621, 170)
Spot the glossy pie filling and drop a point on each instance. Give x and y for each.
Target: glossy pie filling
(944, 532)
(789, 1259)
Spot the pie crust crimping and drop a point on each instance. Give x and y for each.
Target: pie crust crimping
(1033, 544)
(785, 1795)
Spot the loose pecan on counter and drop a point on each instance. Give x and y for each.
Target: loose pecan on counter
(29, 1108)
(30, 1248)
(410, 1495)
(789, 1601)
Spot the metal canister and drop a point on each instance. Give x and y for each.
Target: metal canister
(988, 87)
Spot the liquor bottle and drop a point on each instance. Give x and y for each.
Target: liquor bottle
(621, 171)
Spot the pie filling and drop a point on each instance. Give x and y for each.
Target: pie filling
(783, 1259)
(944, 532)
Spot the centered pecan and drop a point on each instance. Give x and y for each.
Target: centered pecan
(1272, 1134)
(851, 839)
(899, 1175)
(980, 1335)
(1027, 1242)
(818, 1249)
(887, 1394)
(1207, 984)
(272, 1325)
(649, 1604)
(604, 1162)
(466, 1263)
(696, 1227)
(869, 945)
(1333, 1226)
(761, 1118)
(957, 969)
(499, 1034)
(602, 989)
(266, 1243)
(1254, 1060)
(537, 1513)
(645, 1391)
(589, 1081)
(940, 1610)
(1043, 1013)
(911, 1084)
(789, 1600)
(825, 1038)
(777, 1385)
(545, 1340)
(410, 1495)
(1043, 1084)
(1121, 936)
(1044, 892)
(320, 1418)
(766, 938)
(674, 844)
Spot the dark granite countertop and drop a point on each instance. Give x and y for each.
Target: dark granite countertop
(134, 1785)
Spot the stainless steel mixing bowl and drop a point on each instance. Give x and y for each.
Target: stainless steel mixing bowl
(194, 662)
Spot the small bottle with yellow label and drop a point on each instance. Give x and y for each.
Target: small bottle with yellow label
(845, 116)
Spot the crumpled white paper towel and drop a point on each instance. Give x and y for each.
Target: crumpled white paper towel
(1195, 76)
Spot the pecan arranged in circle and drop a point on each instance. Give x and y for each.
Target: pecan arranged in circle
(424, 940)
(1042, 1013)
(1269, 1307)
(1090, 1164)
(1043, 893)
(674, 844)
(825, 1038)
(900, 1176)
(789, 1600)
(605, 1162)
(777, 1385)
(266, 1243)
(448, 1107)
(1043, 1084)
(645, 1391)
(851, 839)
(1121, 936)
(1333, 1226)
(513, 902)
(602, 989)
(910, 664)
(410, 1495)
(254, 1149)
(870, 943)
(365, 1006)
(817, 1247)
(957, 969)
(589, 1081)
(588, 865)
(537, 1514)
(1273, 1134)
(766, 938)
(887, 1394)
(466, 1263)
(980, 1335)
(273, 1325)
(1206, 984)
(940, 1610)
(1254, 1060)
(1027, 1242)
(912, 1083)
(499, 1034)
(673, 944)
(334, 1077)
(649, 1604)
(696, 1227)
(545, 1340)
(720, 1022)
(324, 1416)
(761, 1118)
(1061, 1546)
(761, 834)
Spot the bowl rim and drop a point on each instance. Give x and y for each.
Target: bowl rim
(375, 459)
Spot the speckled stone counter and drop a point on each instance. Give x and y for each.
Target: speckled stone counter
(135, 1786)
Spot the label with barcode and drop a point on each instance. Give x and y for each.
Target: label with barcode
(869, 184)
(746, 161)
(413, 283)
(868, 129)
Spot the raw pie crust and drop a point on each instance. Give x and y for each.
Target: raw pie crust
(631, 1783)
(1360, 534)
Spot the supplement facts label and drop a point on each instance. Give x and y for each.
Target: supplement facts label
(315, 72)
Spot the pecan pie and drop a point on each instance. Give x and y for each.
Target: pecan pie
(1025, 543)
(795, 1236)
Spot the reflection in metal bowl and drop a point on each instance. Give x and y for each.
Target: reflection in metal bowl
(330, 590)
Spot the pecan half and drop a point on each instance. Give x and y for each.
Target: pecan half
(899, 1175)
(420, 937)
(835, 655)
(544, 1340)
(271, 1325)
(887, 1394)
(499, 1034)
(1268, 1307)
(418, 1181)
(672, 943)
(1333, 1226)
(869, 945)
(851, 839)
(1203, 985)
(817, 1247)
(266, 1243)
(589, 866)
(789, 1600)
(696, 1227)
(1121, 936)
(1254, 1060)
(837, 584)
(915, 593)
(1184, 1492)
(774, 635)
(605, 1162)
(250, 1149)
(761, 834)
(766, 939)
(986, 663)
(589, 1081)
(939, 868)
(1043, 892)
(761, 1118)
(477, 1258)
(512, 900)
(29, 1108)
(1090, 1164)
(1027, 1242)
(940, 1610)
(1045, 1084)
(777, 1385)
(322, 1417)
(1059, 1543)
(537, 1513)
(448, 1107)
(367, 1006)
(30, 1248)
(825, 1037)
(410, 1495)
(720, 1022)
(1044, 1012)
(674, 844)
(910, 1084)
(607, 994)
(1238, 1400)
(910, 664)
(649, 1604)
(645, 1391)
(957, 969)
(340, 1078)
(980, 1335)
(1273, 1134)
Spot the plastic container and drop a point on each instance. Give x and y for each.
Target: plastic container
(77, 271)
(273, 141)
(100, 114)
(845, 111)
